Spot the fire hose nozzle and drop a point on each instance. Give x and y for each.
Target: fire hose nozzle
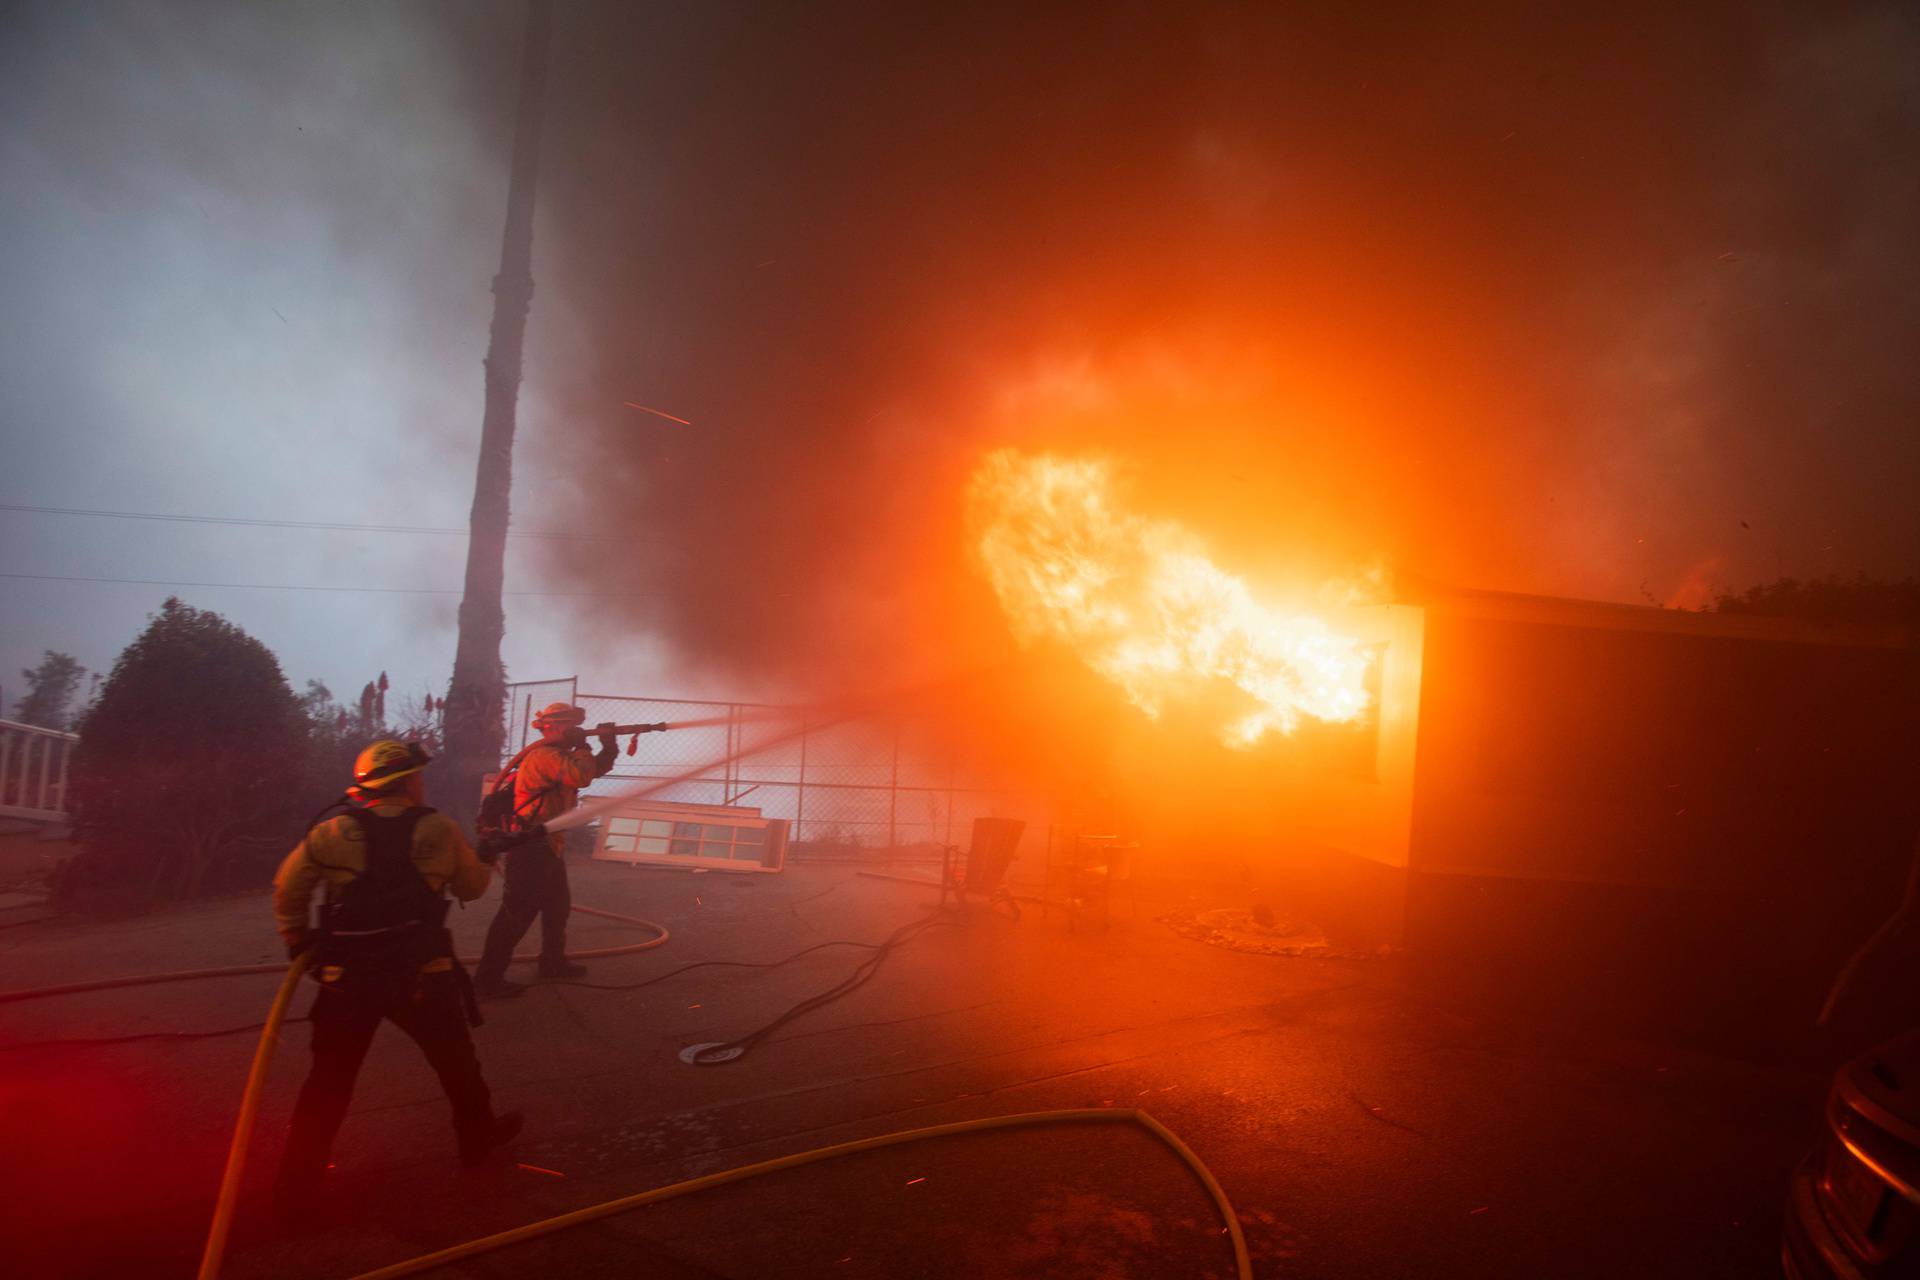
(608, 728)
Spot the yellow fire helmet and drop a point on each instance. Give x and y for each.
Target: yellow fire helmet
(559, 714)
(385, 763)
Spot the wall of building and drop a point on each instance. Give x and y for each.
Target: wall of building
(1669, 816)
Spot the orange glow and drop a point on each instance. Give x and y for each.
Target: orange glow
(1140, 601)
(1696, 585)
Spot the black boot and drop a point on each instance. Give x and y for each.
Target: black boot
(476, 1145)
(562, 968)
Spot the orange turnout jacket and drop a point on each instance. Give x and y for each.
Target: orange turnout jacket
(549, 783)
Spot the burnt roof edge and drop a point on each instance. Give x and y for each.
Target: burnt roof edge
(1607, 615)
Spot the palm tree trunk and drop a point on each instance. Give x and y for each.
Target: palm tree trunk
(474, 717)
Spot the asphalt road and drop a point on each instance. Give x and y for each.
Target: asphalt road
(1363, 1126)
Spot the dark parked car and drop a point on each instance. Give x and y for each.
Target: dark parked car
(1854, 1211)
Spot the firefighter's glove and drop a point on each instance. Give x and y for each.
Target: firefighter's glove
(609, 752)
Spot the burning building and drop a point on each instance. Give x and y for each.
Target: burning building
(1667, 817)
(1682, 814)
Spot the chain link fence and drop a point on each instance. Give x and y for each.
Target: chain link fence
(522, 701)
(889, 782)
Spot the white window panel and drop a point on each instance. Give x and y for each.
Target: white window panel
(717, 837)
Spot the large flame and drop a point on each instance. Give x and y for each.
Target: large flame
(1140, 602)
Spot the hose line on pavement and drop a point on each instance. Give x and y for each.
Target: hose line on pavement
(732, 1050)
(243, 1127)
(269, 1036)
(222, 1224)
(1243, 1266)
(188, 1036)
(234, 971)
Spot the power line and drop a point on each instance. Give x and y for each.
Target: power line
(304, 524)
(289, 586)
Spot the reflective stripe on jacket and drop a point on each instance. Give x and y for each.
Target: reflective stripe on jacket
(335, 852)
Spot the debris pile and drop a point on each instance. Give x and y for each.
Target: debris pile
(1268, 934)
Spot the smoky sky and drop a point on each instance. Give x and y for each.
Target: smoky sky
(245, 253)
(1617, 305)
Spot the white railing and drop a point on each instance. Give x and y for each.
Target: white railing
(33, 771)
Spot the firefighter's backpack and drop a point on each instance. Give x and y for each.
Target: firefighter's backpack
(389, 895)
(498, 816)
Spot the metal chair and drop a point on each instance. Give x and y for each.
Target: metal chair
(989, 853)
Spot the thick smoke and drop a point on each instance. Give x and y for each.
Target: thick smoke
(1519, 301)
(245, 251)
(1610, 307)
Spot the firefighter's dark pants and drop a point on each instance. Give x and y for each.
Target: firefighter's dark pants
(428, 1007)
(536, 887)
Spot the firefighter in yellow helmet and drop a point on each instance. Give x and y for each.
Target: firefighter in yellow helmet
(382, 951)
(546, 779)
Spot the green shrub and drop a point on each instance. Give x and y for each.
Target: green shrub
(189, 769)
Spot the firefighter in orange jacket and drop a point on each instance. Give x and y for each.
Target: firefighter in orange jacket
(546, 784)
(382, 951)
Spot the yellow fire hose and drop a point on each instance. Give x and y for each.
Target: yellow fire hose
(222, 1224)
(269, 1035)
(269, 1038)
(243, 1127)
(487, 1244)
(234, 971)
